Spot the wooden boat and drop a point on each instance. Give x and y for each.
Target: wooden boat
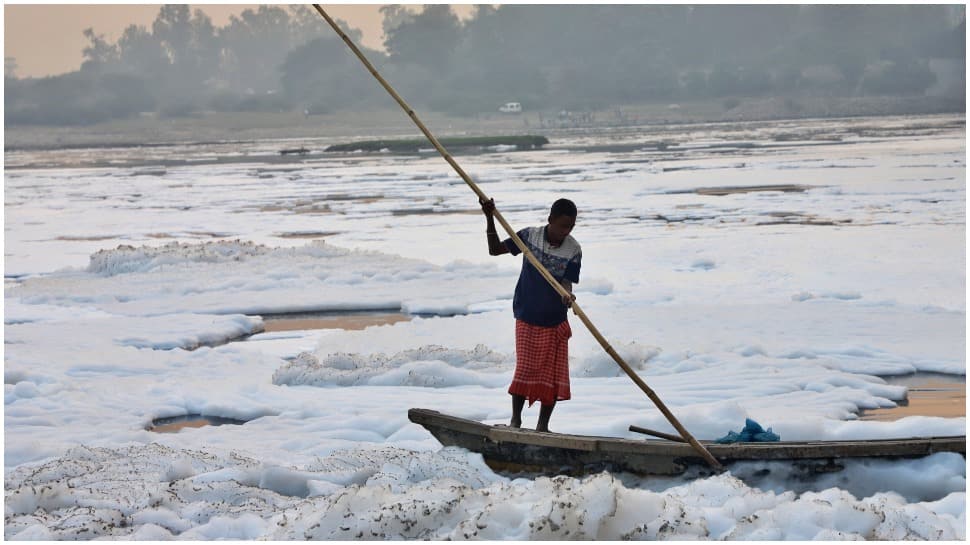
(513, 449)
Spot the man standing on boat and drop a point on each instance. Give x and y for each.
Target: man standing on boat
(541, 329)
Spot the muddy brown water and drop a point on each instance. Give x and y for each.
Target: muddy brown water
(930, 394)
(343, 320)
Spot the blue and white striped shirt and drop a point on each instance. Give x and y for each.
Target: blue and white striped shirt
(535, 301)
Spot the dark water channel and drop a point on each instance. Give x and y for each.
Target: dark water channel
(175, 424)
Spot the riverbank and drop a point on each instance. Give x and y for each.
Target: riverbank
(391, 122)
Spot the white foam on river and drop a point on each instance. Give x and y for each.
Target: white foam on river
(127, 293)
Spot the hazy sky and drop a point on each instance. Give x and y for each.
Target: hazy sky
(47, 39)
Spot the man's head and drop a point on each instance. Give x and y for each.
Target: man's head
(562, 219)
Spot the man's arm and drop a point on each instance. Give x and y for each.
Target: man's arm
(568, 286)
(571, 275)
(495, 246)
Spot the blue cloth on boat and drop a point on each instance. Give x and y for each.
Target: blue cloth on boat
(752, 433)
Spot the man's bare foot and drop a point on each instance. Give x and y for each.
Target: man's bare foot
(515, 423)
(544, 414)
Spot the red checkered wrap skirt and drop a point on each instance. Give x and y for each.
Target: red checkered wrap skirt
(541, 362)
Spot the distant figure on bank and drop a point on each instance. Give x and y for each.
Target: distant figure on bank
(541, 329)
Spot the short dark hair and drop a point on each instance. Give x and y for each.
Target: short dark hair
(563, 207)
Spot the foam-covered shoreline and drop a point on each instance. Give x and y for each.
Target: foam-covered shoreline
(450, 494)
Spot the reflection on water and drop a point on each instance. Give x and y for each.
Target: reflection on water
(175, 424)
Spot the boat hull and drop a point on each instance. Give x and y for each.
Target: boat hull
(508, 448)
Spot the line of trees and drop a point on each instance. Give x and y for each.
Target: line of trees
(551, 56)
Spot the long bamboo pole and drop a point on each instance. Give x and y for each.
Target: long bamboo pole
(525, 250)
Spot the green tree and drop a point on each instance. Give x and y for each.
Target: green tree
(172, 28)
(307, 25)
(427, 39)
(393, 16)
(99, 53)
(140, 52)
(256, 44)
(189, 42)
(321, 76)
